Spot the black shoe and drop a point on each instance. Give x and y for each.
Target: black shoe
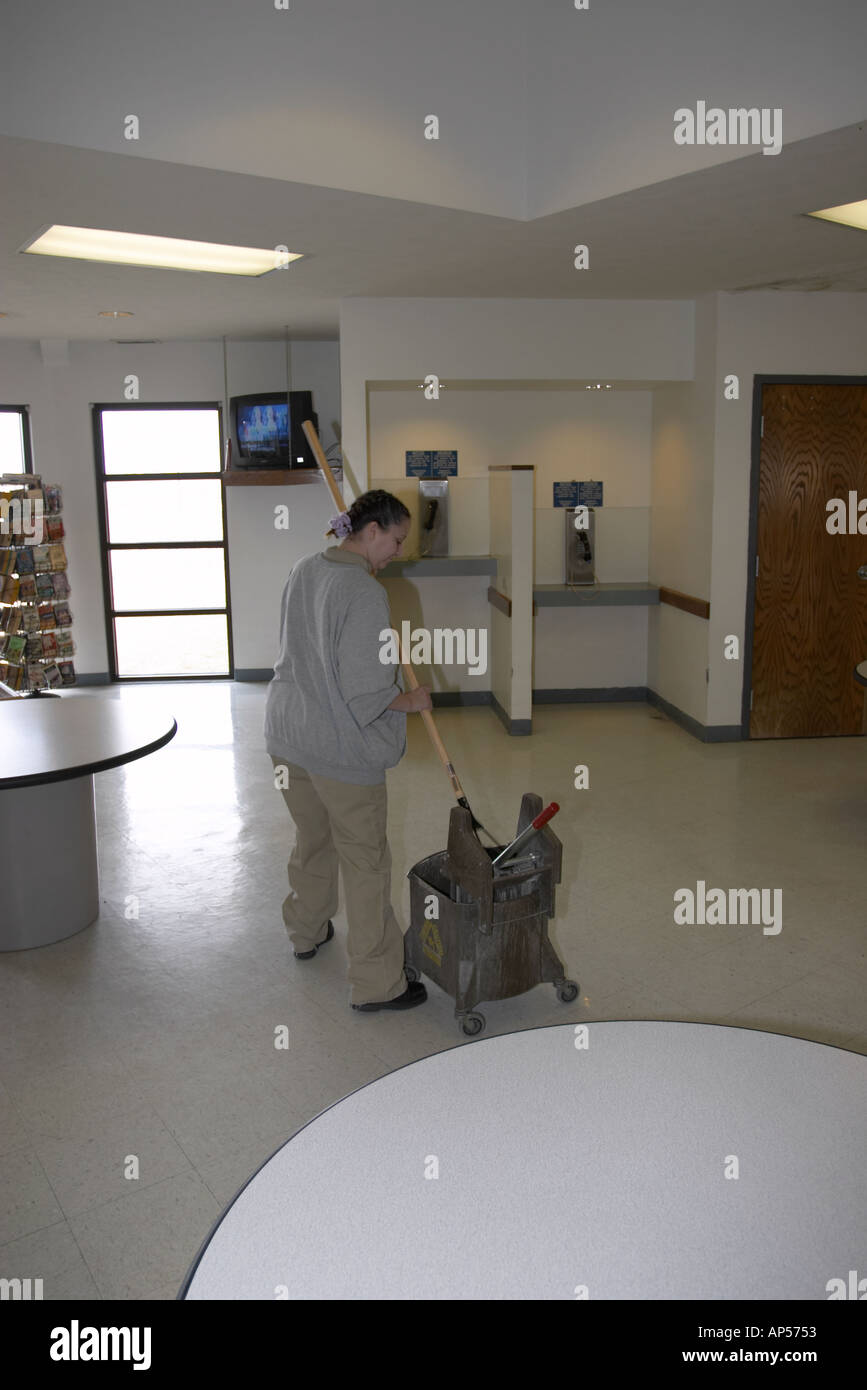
(308, 955)
(414, 993)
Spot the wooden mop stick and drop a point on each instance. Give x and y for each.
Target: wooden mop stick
(433, 730)
(319, 455)
(409, 673)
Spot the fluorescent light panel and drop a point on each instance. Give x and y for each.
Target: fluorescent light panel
(163, 252)
(849, 214)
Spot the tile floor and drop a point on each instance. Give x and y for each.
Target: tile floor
(151, 1032)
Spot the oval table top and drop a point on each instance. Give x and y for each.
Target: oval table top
(45, 740)
(861, 673)
(660, 1161)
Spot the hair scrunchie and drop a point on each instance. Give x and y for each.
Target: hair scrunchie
(341, 525)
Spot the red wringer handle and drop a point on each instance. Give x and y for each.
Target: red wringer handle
(542, 819)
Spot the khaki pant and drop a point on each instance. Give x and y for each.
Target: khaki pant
(339, 823)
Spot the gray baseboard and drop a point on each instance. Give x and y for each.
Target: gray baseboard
(591, 695)
(446, 698)
(723, 733)
(706, 733)
(517, 727)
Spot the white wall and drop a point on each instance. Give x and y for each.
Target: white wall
(681, 522)
(695, 433)
(510, 506)
(566, 434)
(456, 601)
(501, 340)
(590, 649)
(771, 334)
(259, 556)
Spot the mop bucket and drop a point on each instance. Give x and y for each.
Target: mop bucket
(480, 932)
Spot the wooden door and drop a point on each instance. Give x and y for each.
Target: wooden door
(810, 617)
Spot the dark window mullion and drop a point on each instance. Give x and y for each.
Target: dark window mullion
(165, 612)
(164, 545)
(162, 477)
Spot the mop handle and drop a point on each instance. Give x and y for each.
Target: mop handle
(322, 461)
(313, 441)
(431, 726)
(542, 819)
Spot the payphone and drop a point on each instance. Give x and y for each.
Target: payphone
(580, 545)
(433, 496)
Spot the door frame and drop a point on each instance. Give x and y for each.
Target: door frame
(96, 408)
(759, 382)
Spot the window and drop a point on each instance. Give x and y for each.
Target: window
(165, 563)
(15, 456)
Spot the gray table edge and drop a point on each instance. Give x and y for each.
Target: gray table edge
(479, 1042)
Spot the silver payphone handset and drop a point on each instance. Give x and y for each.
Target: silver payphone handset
(580, 546)
(433, 496)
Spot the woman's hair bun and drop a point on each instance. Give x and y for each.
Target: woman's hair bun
(379, 506)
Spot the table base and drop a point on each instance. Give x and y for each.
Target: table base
(48, 865)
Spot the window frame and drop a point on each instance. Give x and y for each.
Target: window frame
(106, 546)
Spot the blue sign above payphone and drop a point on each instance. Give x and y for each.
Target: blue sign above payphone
(431, 463)
(574, 494)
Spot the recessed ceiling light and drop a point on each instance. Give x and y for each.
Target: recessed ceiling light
(115, 314)
(162, 252)
(848, 214)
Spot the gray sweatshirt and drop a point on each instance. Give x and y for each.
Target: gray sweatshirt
(327, 705)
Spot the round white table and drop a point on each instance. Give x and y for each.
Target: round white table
(659, 1161)
(49, 874)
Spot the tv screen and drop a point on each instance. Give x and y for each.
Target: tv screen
(263, 430)
(267, 433)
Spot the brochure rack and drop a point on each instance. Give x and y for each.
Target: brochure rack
(36, 646)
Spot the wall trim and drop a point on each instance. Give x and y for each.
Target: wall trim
(516, 727)
(592, 695)
(699, 607)
(498, 600)
(706, 733)
(445, 699)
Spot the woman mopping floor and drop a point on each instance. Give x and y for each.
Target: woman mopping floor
(335, 719)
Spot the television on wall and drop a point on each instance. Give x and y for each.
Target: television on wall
(266, 430)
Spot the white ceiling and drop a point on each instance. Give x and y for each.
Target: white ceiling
(661, 222)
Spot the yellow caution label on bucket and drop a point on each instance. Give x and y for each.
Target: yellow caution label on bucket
(431, 942)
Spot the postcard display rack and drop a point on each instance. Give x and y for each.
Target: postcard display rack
(36, 646)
